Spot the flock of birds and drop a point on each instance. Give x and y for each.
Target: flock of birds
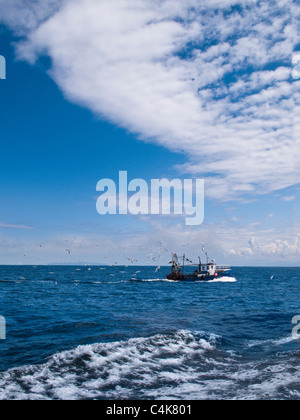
(155, 256)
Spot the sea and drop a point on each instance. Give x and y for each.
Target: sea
(127, 333)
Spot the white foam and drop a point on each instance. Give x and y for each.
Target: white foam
(223, 280)
(163, 280)
(101, 370)
(270, 342)
(181, 365)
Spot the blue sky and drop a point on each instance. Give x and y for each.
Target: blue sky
(162, 89)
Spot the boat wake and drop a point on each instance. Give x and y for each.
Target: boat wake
(217, 280)
(154, 280)
(180, 365)
(223, 280)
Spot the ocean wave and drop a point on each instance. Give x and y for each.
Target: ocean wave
(110, 370)
(270, 342)
(181, 365)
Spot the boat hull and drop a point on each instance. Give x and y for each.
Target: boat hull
(194, 277)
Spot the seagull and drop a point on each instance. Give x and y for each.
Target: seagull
(131, 259)
(68, 250)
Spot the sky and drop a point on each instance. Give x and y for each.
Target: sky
(161, 89)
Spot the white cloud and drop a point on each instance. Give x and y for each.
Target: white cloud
(196, 77)
(23, 16)
(287, 249)
(289, 198)
(14, 226)
(229, 241)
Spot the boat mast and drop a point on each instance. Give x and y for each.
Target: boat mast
(207, 257)
(199, 264)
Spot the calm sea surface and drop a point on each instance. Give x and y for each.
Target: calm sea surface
(127, 333)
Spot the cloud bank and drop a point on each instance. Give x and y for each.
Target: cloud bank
(228, 242)
(209, 79)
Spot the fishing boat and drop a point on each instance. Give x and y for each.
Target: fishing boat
(203, 271)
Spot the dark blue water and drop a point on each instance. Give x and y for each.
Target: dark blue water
(127, 333)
